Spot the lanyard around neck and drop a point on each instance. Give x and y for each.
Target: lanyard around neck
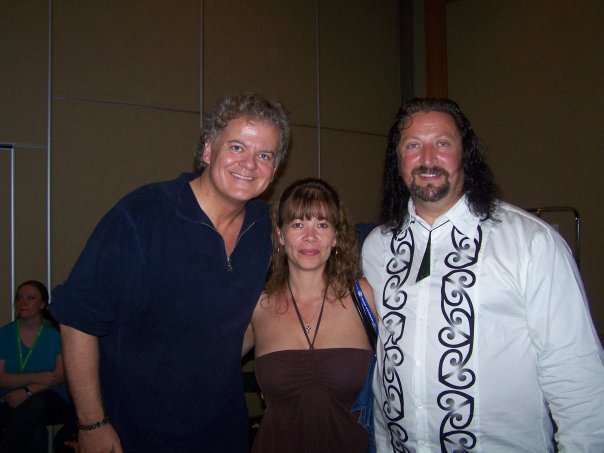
(22, 362)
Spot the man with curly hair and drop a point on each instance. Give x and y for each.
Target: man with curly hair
(154, 312)
(486, 335)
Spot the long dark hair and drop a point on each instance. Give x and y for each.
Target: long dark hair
(308, 198)
(482, 193)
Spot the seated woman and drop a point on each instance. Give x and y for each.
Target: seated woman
(311, 350)
(31, 374)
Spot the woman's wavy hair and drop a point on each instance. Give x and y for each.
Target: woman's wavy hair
(481, 191)
(248, 105)
(305, 199)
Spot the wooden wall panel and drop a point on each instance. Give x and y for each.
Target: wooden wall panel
(6, 292)
(265, 46)
(24, 71)
(31, 229)
(353, 162)
(136, 52)
(102, 152)
(301, 162)
(359, 65)
(529, 76)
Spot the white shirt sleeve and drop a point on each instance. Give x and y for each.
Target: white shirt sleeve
(570, 370)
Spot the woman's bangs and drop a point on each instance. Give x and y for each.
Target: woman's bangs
(308, 206)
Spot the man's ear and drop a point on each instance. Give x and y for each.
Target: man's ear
(207, 152)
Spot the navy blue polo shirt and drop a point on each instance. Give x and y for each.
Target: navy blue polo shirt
(170, 310)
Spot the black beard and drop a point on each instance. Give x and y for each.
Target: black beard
(430, 193)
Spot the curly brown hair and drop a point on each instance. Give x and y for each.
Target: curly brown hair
(247, 105)
(314, 198)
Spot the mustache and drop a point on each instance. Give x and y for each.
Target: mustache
(430, 171)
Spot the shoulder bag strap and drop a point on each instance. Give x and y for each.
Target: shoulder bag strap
(369, 322)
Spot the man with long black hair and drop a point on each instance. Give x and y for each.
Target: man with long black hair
(486, 334)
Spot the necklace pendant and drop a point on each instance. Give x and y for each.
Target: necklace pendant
(307, 327)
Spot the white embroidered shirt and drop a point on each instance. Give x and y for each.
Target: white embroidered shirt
(469, 356)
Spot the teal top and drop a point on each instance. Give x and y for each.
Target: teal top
(42, 358)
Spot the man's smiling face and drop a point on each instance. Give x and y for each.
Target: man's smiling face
(430, 156)
(241, 162)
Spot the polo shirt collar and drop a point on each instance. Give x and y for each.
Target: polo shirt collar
(187, 207)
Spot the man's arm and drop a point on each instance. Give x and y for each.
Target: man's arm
(248, 340)
(81, 356)
(570, 371)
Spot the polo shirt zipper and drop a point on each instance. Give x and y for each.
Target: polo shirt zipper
(228, 258)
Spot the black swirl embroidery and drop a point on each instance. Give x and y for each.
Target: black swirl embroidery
(397, 268)
(395, 324)
(393, 404)
(466, 249)
(457, 337)
(394, 299)
(453, 372)
(398, 437)
(393, 295)
(460, 412)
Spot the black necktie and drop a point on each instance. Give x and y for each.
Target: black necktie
(424, 267)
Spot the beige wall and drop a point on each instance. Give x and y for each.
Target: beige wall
(334, 65)
(23, 121)
(529, 75)
(128, 80)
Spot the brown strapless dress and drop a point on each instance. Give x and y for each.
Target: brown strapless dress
(309, 395)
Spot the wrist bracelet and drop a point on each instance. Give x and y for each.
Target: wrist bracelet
(92, 426)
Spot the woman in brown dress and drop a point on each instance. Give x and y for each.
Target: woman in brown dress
(311, 349)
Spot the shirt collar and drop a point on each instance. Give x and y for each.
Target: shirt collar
(188, 208)
(186, 204)
(459, 215)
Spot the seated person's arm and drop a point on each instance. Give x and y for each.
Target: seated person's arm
(58, 376)
(17, 380)
(34, 381)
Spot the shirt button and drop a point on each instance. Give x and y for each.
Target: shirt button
(418, 363)
(421, 443)
(420, 405)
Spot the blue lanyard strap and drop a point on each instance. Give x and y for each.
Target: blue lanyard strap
(364, 304)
